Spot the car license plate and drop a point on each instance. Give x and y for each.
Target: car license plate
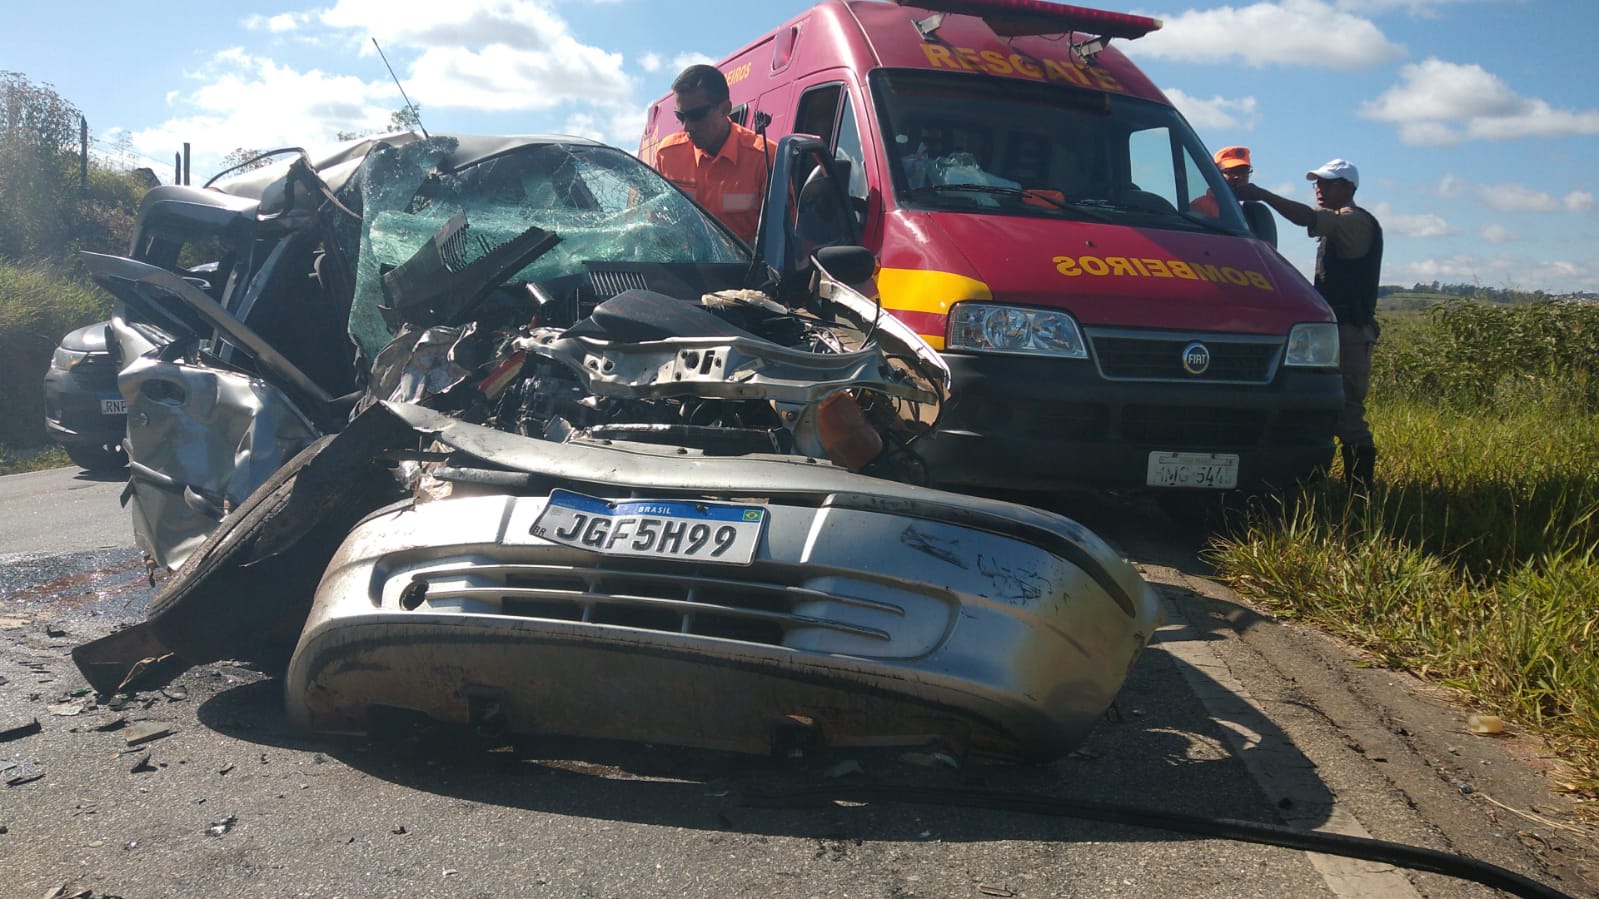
(658, 529)
(114, 407)
(1217, 471)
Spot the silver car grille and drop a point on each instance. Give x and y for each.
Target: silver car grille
(749, 609)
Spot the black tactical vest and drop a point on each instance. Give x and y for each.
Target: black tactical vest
(1350, 285)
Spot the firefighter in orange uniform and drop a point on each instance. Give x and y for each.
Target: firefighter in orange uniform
(715, 160)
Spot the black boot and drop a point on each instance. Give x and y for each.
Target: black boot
(1348, 454)
(1359, 466)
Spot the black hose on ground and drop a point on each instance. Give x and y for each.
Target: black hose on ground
(1383, 851)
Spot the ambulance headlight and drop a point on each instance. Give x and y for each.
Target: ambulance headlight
(1312, 345)
(991, 328)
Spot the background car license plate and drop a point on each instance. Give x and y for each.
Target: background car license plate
(114, 407)
(1214, 470)
(657, 529)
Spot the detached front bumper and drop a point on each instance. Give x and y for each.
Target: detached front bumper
(872, 614)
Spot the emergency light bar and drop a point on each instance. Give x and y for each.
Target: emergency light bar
(1018, 18)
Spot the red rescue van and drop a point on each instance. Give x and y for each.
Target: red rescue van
(1030, 196)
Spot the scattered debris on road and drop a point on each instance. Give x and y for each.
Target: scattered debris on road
(1483, 725)
(18, 730)
(145, 731)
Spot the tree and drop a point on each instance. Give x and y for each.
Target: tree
(38, 164)
(243, 159)
(406, 118)
(48, 209)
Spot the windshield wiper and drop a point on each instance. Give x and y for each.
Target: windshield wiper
(1206, 222)
(1024, 194)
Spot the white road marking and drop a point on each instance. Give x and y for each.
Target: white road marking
(1280, 769)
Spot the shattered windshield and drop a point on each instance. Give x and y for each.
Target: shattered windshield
(603, 205)
(975, 143)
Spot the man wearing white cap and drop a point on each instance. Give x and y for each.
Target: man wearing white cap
(1348, 265)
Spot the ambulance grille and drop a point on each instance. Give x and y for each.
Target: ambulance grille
(1145, 356)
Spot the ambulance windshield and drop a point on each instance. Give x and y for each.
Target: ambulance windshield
(972, 142)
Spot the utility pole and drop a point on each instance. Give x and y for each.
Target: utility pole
(185, 162)
(177, 168)
(83, 154)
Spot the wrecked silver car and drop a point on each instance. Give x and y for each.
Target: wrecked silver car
(608, 474)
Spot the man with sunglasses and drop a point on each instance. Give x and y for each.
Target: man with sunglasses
(713, 159)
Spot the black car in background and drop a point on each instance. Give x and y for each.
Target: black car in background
(82, 409)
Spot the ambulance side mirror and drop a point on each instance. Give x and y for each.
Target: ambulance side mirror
(1261, 222)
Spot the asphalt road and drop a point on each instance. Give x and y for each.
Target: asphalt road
(200, 788)
(63, 510)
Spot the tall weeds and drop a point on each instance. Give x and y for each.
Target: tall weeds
(37, 306)
(1475, 560)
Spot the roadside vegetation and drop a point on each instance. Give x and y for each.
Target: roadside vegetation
(55, 204)
(1475, 560)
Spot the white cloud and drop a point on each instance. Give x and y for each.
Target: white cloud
(1499, 270)
(1428, 134)
(584, 124)
(1219, 113)
(1497, 234)
(462, 23)
(1420, 9)
(626, 124)
(671, 67)
(278, 24)
(1309, 33)
(499, 78)
(465, 57)
(619, 126)
(1450, 187)
(1424, 224)
(253, 102)
(484, 55)
(1520, 198)
(1440, 103)
(655, 63)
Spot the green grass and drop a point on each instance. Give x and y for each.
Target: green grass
(1475, 561)
(18, 461)
(37, 306)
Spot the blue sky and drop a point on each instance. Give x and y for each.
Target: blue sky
(1475, 123)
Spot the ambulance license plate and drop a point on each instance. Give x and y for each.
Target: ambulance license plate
(687, 530)
(1217, 471)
